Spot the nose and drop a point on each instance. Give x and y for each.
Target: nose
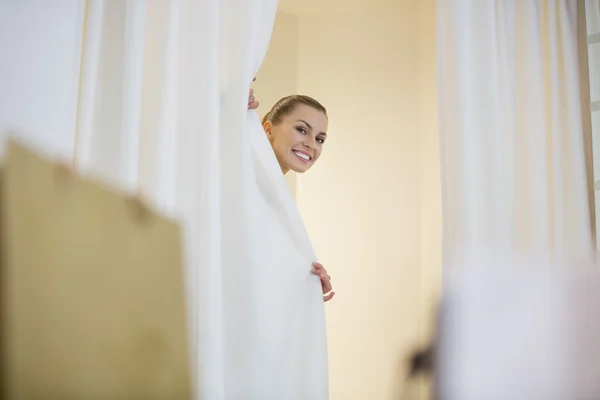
(310, 142)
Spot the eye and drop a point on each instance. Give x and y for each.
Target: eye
(301, 130)
(321, 139)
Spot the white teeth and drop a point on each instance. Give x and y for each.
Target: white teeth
(302, 155)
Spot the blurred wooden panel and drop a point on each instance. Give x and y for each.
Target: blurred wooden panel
(92, 290)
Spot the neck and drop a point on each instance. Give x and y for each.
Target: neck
(284, 169)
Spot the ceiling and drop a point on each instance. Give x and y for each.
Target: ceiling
(312, 7)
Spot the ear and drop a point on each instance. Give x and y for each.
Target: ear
(268, 126)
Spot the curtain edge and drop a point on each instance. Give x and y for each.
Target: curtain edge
(586, 112)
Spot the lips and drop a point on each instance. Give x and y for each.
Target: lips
(304, 157)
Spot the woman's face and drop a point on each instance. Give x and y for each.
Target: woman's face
(298, 139)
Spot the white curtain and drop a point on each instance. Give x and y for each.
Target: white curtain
(592, 13)
(160, 93)
(519, 314)
(512, 140)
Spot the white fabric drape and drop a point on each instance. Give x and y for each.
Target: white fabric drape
(512, 139)
(161, 110)
(519, 314)
(592, 26)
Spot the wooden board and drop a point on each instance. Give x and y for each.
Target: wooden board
(92, 290)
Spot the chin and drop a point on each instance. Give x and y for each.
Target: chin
(300, 170)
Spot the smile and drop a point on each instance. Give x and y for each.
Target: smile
(302, 156)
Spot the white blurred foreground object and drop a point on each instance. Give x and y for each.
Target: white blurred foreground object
(152, 98)
(515, 155)
(520, 331)
(516, 182)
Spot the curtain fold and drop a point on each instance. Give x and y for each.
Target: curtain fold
(162, 112)
(512, 138)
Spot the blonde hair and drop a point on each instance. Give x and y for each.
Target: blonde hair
(287, 105)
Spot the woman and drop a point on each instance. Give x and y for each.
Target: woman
(297, 129)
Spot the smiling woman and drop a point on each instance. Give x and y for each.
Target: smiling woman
(297, 129)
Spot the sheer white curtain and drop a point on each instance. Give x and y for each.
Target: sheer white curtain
(511, 130)
(159, 92)
(592, 13)
(518, 237)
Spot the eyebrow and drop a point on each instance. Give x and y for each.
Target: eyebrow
(310, 127)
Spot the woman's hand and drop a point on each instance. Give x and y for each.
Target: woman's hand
(325, 281)
(252, 102)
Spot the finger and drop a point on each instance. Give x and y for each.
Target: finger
(326, 285)
(254, 105)
(326, 282)
(320, 266)
(251, 92)
(319, 272)
(251, 99)
(329, 297)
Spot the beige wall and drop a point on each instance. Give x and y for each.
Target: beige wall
(372, 203)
